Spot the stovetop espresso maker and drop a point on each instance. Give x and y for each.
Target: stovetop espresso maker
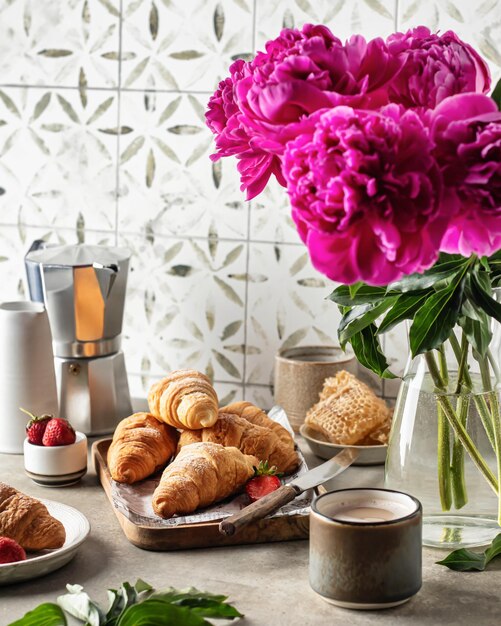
(83, 289)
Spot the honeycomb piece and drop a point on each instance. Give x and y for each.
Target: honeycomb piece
(348, 411)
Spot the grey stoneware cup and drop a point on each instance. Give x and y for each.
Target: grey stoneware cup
(366, 564)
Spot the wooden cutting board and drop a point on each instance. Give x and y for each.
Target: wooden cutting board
(283, 528)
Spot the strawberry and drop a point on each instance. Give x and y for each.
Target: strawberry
(58, 433)
(264, 482)
(35, 428)
(10, 551)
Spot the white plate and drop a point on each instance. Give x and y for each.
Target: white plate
(368, 455)
(40, 563)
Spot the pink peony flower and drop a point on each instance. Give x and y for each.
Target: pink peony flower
(467, 132)
(435, 67)
(365, 192)
(256, 110)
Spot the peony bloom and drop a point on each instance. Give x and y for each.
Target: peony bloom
(256, 110)
(365, 192)
(467, 132)
(434, 67)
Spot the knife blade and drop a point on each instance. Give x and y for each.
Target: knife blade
(286, 493)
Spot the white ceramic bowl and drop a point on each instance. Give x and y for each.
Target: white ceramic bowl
(56, 466)
(367, 455)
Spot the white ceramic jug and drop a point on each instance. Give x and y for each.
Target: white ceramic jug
(27, 377)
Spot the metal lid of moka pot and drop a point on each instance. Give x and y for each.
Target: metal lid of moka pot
(83, 288)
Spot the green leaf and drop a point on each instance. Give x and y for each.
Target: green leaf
(368, 351)
(359, 317)
(48, 614)
(354, 288)
(465, 560)
(476, 325)
(365, 294)
(480, 290)
(440, 271)
(403, 309)
(496, 94)
(155, 612)
(436, 318)
(205, 604)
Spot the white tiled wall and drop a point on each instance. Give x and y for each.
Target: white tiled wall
(103, 140)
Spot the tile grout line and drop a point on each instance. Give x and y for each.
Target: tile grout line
(119, 115)
(67, 229)
(383, 339)
(247, 261)
(107, 89)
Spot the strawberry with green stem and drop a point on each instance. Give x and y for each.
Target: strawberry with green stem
(265, 481)
(35, 428)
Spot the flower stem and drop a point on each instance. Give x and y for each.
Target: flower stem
(481, 404)
(462, 406)
(458, 428)
(443, 446)
(495, 416)
(457, 467)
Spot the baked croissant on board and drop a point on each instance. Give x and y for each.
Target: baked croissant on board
(257, 416)
(259, 441)
(141, 446)
(184, 399)
(201, 474)
(27, 521)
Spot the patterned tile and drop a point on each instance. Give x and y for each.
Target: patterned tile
(270, 216)
(14, 244)
(478, 23)
(183, 45)
(56, 42)
(167, 182)
(139, 386)
(185, 307)
(286, 307)
(370, 18)
(261, 396)
(70, 175)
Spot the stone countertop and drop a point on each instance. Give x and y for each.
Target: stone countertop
(266, 582)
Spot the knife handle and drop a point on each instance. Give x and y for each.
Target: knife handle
(259, 509)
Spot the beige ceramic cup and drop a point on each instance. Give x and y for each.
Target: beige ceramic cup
(361, 558)
(300, 374)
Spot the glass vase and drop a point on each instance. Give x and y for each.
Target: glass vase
(426, 457)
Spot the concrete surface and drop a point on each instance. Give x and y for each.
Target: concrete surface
(268, 583)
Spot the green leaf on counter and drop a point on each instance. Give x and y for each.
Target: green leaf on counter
(159, 613)
(137, 605)
(48, 614)
(464, 560)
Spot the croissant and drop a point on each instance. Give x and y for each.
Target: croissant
(257, 416)
(262, 442)
(201, 474)
(27, 521)
(184, 399)
(141, 445)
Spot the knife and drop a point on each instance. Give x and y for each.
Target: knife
(286, 493)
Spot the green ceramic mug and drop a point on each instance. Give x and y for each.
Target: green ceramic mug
(365, 547)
